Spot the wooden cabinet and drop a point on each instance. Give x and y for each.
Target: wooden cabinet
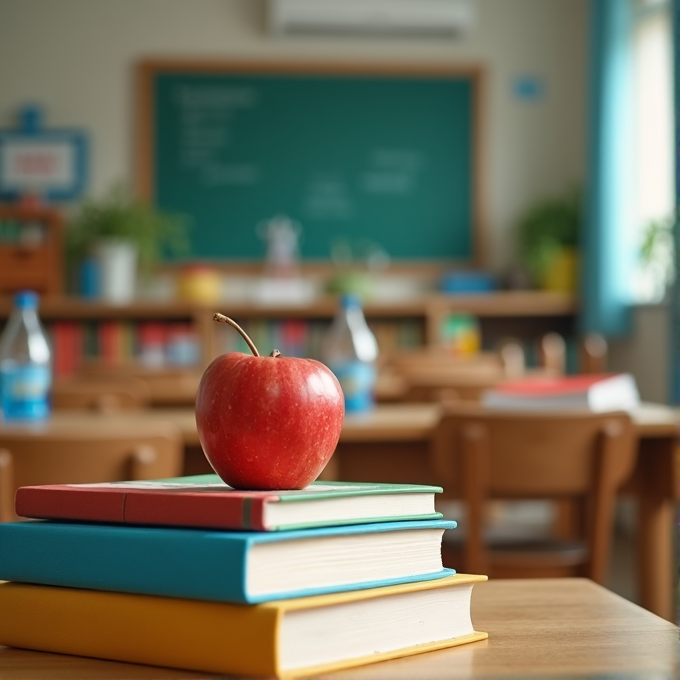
(31, 252)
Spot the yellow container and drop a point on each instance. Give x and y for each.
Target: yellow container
(199, 283)
(562, 274)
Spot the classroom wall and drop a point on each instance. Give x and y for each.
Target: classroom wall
(646, 353)
(76, 58)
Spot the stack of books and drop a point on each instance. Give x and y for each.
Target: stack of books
(189, 573)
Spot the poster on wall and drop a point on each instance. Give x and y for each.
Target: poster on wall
(43, 162)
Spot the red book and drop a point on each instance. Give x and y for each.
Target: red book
(66, 348)
(598, 393)
(206, 501)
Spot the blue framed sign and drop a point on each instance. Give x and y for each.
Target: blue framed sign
(49, 163)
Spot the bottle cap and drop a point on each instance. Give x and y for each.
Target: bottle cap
(26, 299)
(350, 301)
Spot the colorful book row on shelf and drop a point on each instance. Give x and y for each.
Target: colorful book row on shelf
(176, 344)
(303, 337)
(118, 342)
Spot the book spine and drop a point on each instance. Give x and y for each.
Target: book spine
(198, 636)
(50, 503)
(168, 562)
(109, 505)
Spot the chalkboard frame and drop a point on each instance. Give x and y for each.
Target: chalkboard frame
(148, 70)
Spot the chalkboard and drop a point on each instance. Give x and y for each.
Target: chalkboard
(388, 156)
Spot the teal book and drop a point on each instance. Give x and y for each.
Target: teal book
(206, 501)
(225, 566)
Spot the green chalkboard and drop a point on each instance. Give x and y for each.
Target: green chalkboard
(385, 156)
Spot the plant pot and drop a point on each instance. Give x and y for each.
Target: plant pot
(562, 274)
(117, 264)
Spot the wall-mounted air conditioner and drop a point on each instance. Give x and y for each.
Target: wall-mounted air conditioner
(371, 17)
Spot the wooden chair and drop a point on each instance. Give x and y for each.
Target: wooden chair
(552, 353)
(435, 374)
(104, 394)
(102, 453)
(594, 350)
(480, 455)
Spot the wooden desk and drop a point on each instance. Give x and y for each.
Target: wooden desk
(392, 445)
(547, 628)
(401, 452)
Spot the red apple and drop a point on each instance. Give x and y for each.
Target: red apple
(268, 422)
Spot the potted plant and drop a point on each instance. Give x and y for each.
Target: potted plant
(655, 272)
(548, 239)
(120, 234)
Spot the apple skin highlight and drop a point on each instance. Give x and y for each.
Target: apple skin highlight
(268, 423)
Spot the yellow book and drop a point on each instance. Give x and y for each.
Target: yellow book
(286, 638)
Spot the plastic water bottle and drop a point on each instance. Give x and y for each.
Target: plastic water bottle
(25, 363)
(350, 350)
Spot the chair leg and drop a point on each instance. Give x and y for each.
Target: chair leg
(6, 487)
(475, 468)
(602, 522)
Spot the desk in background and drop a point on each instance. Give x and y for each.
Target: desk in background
(541, 628)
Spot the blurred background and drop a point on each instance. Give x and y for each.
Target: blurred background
(493, 179)
(538, 119)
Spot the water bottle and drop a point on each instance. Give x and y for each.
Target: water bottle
(350, 350)
(25, 363)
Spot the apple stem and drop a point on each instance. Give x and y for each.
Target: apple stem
(225, 319)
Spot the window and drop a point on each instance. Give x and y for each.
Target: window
(654, 199)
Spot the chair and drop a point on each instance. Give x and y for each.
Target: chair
(435, 374)
(104, 394)
(100, 453)
(594, 350)
(552, 352)
(580, 458)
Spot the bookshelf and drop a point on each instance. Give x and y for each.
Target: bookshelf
(82, 330)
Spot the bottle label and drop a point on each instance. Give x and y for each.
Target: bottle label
(24, 392)
(357, 380)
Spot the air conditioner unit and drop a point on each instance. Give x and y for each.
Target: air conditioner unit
(372, 17)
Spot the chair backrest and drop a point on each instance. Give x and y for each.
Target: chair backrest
(105, 395)
(100, 453)
(594, 351)
(480, 454)
(436, 373)
(552, 351)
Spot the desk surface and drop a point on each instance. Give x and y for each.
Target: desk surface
(387, 422)
(415, 422)
(547, 628)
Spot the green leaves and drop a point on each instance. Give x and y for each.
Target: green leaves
(547, 227)
(121, 215)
